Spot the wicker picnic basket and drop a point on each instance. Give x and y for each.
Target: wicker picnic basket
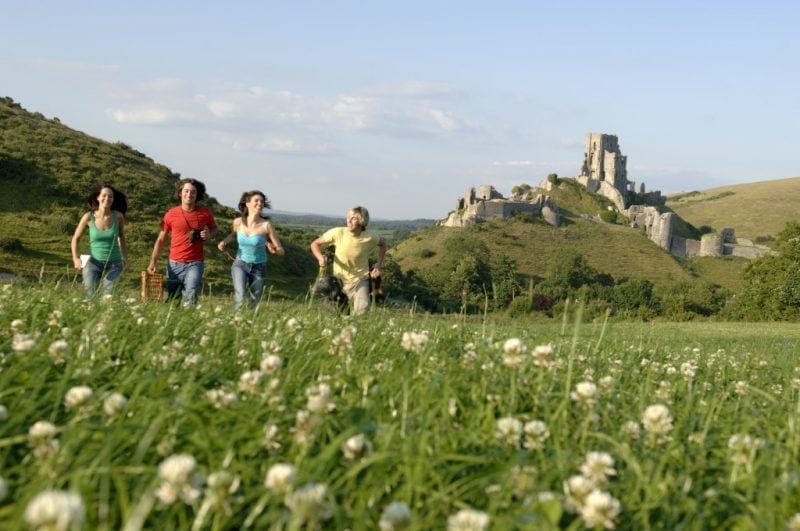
(152, 286)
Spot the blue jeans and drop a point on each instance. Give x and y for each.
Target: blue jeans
(184, 279)
(246, 274)
(94, 270)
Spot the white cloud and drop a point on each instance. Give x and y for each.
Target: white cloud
(69, 66)
(149, 116)
(223, 109)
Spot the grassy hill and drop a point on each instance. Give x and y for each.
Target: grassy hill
(757, 211)
(48, 169)
(533, 245)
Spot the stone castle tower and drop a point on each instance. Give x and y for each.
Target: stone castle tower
(603, 160)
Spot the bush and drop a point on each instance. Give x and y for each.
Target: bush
(10, 244)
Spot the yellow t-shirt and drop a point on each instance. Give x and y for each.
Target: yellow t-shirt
(351, 260)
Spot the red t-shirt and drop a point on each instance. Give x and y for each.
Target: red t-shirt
(180, 222)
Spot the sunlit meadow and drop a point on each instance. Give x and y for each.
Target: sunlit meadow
(118, 414)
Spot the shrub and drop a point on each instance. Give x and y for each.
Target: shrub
(10, 244)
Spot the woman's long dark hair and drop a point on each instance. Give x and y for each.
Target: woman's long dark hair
(246, 197)
(120, 203)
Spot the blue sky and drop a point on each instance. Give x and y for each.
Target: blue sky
(401, 106)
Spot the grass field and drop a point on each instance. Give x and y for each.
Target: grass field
(128, 415)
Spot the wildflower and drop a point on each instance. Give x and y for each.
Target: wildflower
(740, 388)
(468, 520)
(58, 351)
(576, 489)
(178, 479)
(311, 503)
(541, 355)
(55, 510)
(600, 509)
(598, 467)
(303, 424)
(220, 485)
(514, 351)
(280, 478)
(221, 399)
(271, 347)
(509, 431)
(743, 449)
(271, 363)
(413, 341)
(42, 432)
(294, 324)
(452, 407)
(114, 404)
(657, 421)
(77, 396)
(536, 433)
(249, 381)
(319, 399)
(22, 342)
(356, 446)
(631, 429)
(688, 370)
(271, 442)
(396, 515)
(16, 325)
(606, 382)
(794, 523)
(585, 394)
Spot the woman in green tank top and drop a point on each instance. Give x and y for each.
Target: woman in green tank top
(108, 250)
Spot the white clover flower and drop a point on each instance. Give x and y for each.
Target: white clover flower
(58, 351)
(303, 424)
(632, 430)
(178, 480)
(294, 324)
(271, 363)
(395, 516)
(576, 489)
(222, 399)
(114, 404)
(598, 467)
(356, 447)
(17, 324)
(657, 422)
(41, 433)
(22, 343)
(600, 509)
(688, 370)
(280, 478)
(468, 520)
(585, 394)
(541, 355)
(606, 382)
(513, 346)
(249, 382)
(743, 448)
(740, 388)
(509, 431)
(794, 523)
(311, 503)
(270, 347)
(78, 396)
(271, 433)
(414, 341)
(55, 510)
(319, 398)
(536, 433)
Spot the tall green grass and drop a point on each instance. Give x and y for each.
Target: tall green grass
(426, 393)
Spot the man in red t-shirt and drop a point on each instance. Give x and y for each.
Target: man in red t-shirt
(190, 226)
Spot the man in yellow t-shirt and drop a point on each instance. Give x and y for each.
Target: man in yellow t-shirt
(354, 244)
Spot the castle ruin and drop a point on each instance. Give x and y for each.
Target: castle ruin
(485, 203)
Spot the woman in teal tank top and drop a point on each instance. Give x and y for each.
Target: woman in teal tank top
(108, 250)
(254, 236)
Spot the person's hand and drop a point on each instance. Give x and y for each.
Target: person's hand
(77, 263)
(151, 268)
(221, 245)
(204, 234)
(375, 272)
(323, 261)
(271, 248)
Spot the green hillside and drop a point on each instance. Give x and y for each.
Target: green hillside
(533, 245)
(756, 211)
(48, 169)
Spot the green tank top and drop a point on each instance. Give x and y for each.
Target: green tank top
(104, 244)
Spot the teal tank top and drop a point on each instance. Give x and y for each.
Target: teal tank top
(103, 244)
(251, 248)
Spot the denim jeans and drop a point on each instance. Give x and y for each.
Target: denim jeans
(184, 279)
(94, 270)
(248, 281)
